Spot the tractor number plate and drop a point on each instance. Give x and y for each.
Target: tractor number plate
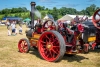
(91, 38)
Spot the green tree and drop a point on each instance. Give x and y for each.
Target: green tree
(6, 11)
(43, 14)
(91, 9)
(47, 9)
(38, 7)
(55, 13)
(62, 11)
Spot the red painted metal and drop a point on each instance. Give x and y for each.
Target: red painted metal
(93, 45)
(80, 27)
(86, 47)
(23, 46)
(95, 21)
(49, 46)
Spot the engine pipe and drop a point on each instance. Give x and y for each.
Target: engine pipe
(32, 14)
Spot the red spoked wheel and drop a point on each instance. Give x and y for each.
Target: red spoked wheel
(51, 46)
(24, 46)
(96, 18)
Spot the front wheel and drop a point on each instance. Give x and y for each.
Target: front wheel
(51, 46)
(23, 45)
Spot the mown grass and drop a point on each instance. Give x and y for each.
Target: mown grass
(10, 57)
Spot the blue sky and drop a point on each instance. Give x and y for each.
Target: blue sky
(77, 4)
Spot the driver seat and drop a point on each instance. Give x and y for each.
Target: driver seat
(38, 28)
(69, 34)
(48, 25)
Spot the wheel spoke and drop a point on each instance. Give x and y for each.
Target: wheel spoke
(47, 53)
(25, 47)
(24, 50)
(43, 42)
(52, 37)
(47, 37)
(20, 45)
(43, 46)
(55, 46)
(50, 54)
(21, 49)
(55, 52)
(23, 42)
(53, 41)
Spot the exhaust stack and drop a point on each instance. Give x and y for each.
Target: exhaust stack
(32, 14)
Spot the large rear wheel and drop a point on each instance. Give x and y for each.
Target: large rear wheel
(23, 45)
(51, 46)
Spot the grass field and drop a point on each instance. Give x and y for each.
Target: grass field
(10, 57)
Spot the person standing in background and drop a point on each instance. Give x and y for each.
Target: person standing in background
(16, 30)
(8, 27)
(13, 28)
(9, 32)
(76, 19)
(20, 29)
(8, 24)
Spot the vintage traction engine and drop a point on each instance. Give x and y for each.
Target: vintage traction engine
(54, 40)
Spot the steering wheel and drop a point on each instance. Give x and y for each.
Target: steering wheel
(96, 19)
(49, 25)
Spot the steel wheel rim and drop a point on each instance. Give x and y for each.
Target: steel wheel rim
(23, 46)
(95, 21)
(49, 46)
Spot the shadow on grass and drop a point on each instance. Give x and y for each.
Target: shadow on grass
(68, 58)
(77, 57)
(35, 52)
(95, 50)
(73, 58)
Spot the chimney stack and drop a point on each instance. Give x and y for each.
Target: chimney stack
(32, 14)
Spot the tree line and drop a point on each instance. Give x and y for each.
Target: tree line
(63, 11)
(13, 10)
(57, 13)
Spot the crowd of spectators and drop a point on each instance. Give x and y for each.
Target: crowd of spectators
(13, 28)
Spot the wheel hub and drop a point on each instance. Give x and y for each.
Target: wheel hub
(48, 46)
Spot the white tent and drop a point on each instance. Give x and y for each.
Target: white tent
(90, 17)
(48, 16)
(68, 17)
